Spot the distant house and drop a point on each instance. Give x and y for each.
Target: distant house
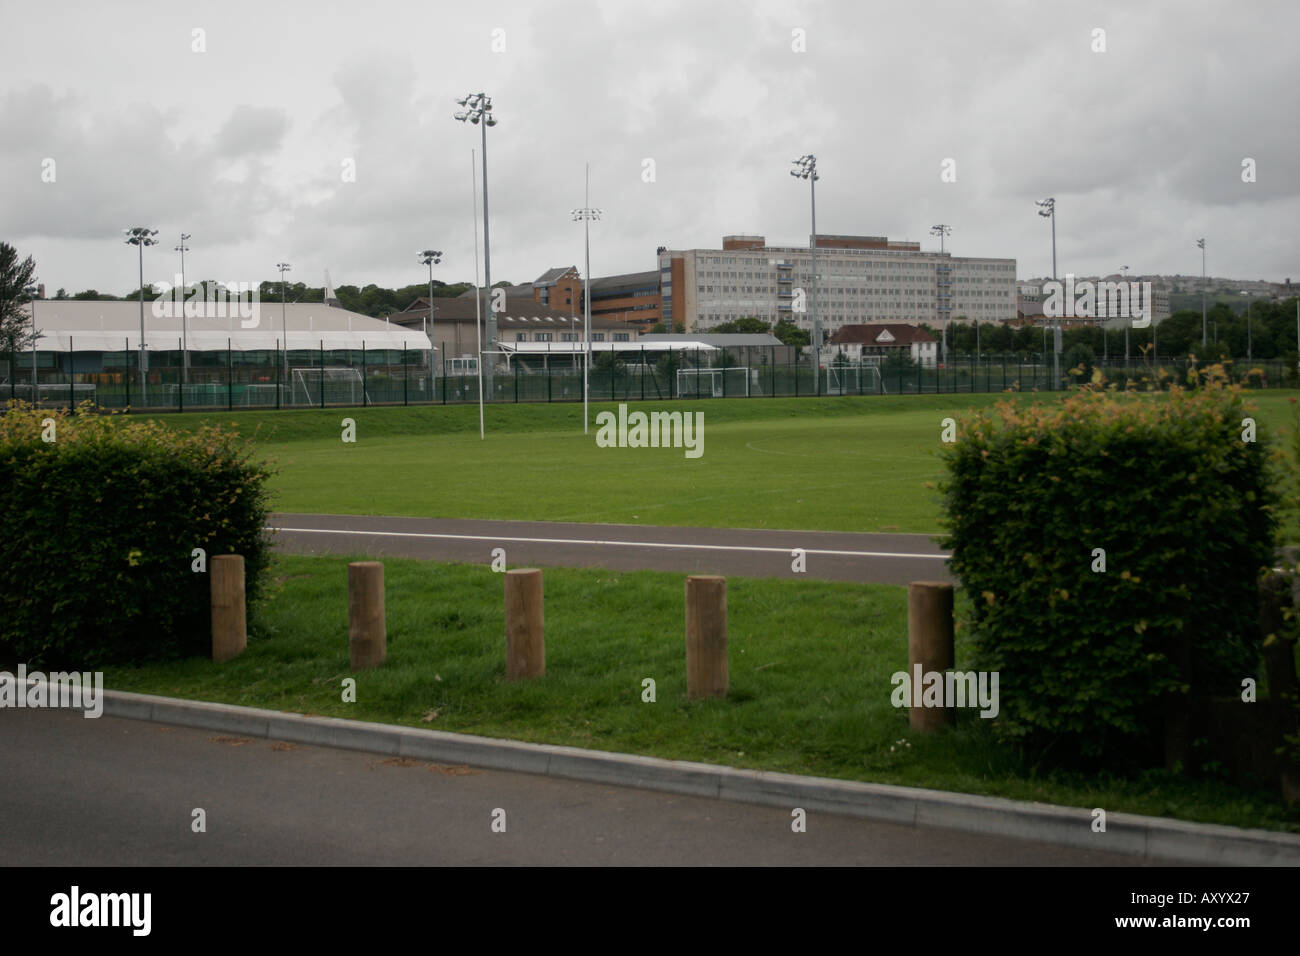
(884, 339)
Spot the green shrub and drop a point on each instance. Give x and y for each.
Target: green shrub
(1183, 509)
(97, 530)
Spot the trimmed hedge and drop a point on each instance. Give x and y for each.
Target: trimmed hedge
(1093, 662)
(97, 530)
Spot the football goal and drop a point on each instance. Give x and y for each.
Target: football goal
(331, 386)
(854, 380)
(715, 382)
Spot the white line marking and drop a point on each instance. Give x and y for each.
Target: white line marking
(617, 544)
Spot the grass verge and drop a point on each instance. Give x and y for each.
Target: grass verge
(810, 666)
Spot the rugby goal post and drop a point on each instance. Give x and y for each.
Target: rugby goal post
(341, 385)
(716, 382)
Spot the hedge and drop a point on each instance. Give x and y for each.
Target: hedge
(1093, 662)
(98, 528)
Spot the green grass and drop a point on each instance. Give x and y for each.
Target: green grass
(834, 464)
(810, 666)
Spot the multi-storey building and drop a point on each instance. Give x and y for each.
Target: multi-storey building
(860, 279)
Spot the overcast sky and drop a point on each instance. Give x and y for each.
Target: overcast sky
(245, 144)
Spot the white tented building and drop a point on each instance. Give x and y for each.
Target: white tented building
(220, 353)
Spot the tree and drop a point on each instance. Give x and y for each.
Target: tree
(748, 325)
(658, 329)
(791, 334)
(15, 278)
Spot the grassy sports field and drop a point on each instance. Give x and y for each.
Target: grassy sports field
(837, 464)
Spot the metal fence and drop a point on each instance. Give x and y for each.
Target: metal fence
(359, 377)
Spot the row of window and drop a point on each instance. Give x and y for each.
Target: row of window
(571, 337)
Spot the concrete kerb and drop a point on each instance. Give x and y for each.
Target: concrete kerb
(1146, 837)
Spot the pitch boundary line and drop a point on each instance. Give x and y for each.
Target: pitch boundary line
(618, 544)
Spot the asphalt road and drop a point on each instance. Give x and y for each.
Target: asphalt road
(829, 555)
(113, 791)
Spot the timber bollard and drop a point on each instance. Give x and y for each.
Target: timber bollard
(229, 633)
(929, 647)
(706, 636)
(367, 632)
(525, 623)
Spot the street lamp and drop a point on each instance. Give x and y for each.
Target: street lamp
(805, 167)
(1200, 244)
(586, 214)
(284, 322)
(431, 258)
(478, 110)
(1047, 209)
(185, 342)
(141, 236)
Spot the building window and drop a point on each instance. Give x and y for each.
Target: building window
(598, 336)
(622, 337)
(521, 336)
(543, 336)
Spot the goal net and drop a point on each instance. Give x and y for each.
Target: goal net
(854, 380)
(332, 386)
(716, 382)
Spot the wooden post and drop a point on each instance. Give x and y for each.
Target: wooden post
(229, 636)
(929, 646)
(367, 634)
(525, 635)
(706, 636)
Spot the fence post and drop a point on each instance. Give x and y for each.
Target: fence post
(278, 386)
(322, 373)
(364, 378)
(229, 637)
(126, 371)
(706, 636)
(525, 624)
(230, 378)
(367, 633)
(72, 401)
(406, 378)
(929, 648)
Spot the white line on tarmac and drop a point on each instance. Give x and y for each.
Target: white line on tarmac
(619, 544)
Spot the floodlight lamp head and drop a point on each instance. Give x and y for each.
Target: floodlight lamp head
(491, 121)
(474, 119)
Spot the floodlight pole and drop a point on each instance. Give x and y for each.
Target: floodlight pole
(478, 324)
(941, 230)
(1048, 210)
(806, 168)
(1201, 244)
(478, 110)
(586, 214)
(431, 257)
(284, 324)
(141, 236)
(185, 342)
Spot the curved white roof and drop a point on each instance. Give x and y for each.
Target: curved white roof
(107, 326)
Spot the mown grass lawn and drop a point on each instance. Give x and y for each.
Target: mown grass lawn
(832, 464)
(810, 666)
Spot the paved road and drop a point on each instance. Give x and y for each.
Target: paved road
(122, 792)
(830, 555)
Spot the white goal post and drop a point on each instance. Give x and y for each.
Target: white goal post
(854, 380)
(341, 385)
(731, 382)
